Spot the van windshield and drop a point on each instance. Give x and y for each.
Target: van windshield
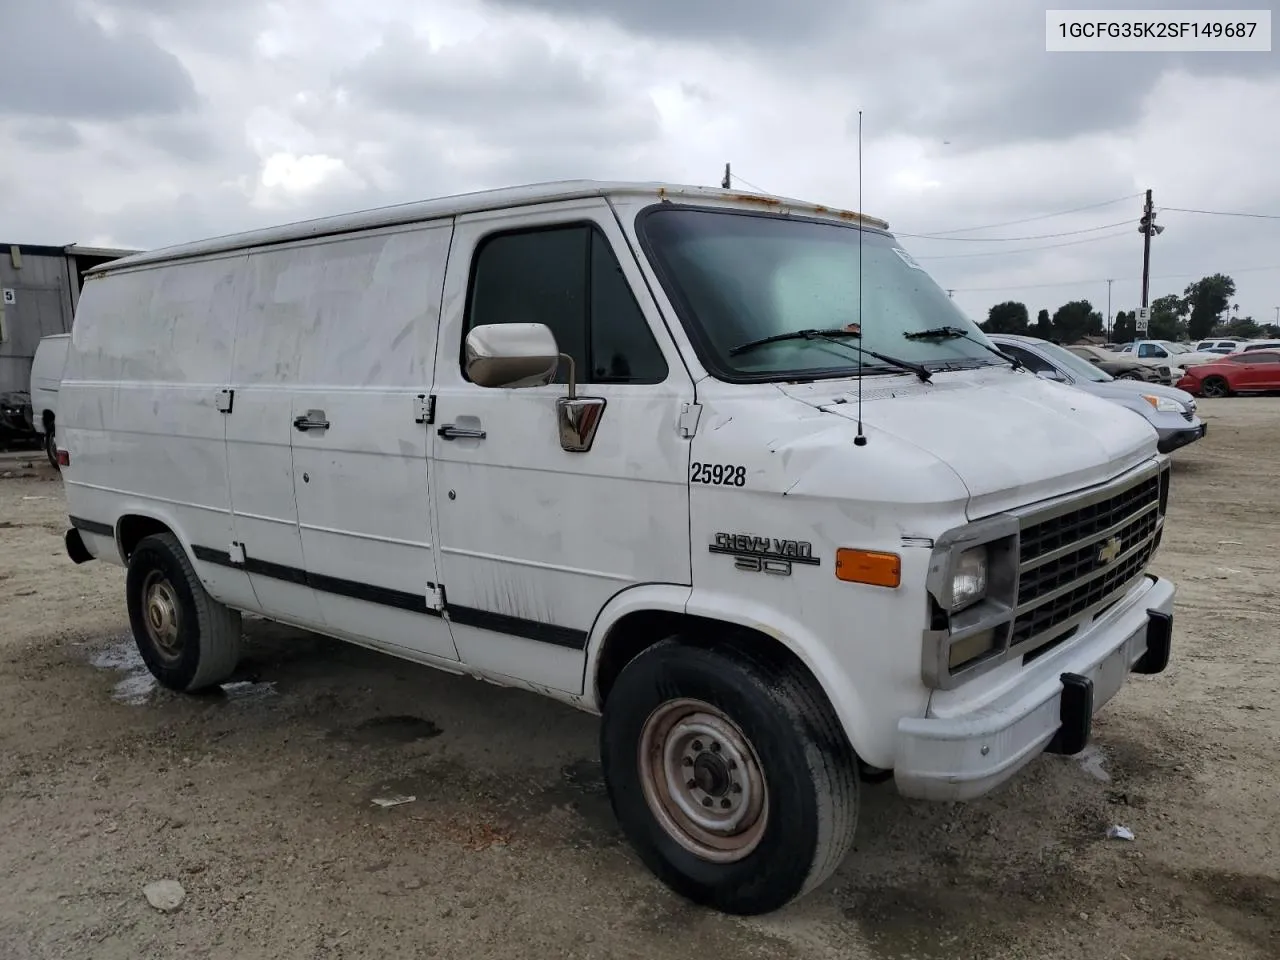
(739, 277)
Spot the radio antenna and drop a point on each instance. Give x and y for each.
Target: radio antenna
(860, 440)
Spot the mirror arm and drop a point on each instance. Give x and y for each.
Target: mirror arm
(573, 376)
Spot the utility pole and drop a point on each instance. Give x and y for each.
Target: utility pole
(950, 292)
(1147, 226)
(1278, 316)
(727, 182)
(1109, 282)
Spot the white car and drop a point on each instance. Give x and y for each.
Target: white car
(46, 377)
(1177, 355)
(663, 453)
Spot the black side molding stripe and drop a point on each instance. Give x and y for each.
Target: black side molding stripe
(519, 627)
(93, 526)
(415, 603)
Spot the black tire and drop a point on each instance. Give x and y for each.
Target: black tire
(205, 634)
(1129, 375)
(1215, 387)
(809, 771)
(51, 447)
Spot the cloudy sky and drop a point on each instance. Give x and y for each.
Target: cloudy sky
(146, 122)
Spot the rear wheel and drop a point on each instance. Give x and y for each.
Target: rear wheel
(1215, 387)
(188, 640)
(731, 778)
(51, 447)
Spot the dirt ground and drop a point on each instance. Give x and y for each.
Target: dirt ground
(259, 800)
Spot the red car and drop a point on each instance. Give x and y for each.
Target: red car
(1242, 372)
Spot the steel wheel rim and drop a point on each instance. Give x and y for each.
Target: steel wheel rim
(162, 614)
(703, 780)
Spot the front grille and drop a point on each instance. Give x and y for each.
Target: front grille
(1163, 371)
(1075, 560)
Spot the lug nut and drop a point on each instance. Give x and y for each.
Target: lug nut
(706, 801)
(726, 803)
(697, 745)
(715, 746)
(687, 761)
(736, 788)
(691, 784)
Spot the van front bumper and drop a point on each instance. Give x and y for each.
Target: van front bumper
(1051, 710)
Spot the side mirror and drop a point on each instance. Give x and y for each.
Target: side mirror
(512, 355)
(527, 355)
(1096, 361)
(1053, 375)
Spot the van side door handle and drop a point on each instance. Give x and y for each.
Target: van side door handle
(451, 431)
(311, 420)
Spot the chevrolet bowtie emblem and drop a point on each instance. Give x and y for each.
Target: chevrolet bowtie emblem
(1110, 550)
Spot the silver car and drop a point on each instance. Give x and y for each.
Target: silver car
(1172, 412)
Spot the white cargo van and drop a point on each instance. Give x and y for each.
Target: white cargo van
(730, 470)
(46, 378)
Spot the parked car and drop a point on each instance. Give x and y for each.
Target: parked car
(1175, 354)
(1219, 346)
(599, 441)
(1170, 411)
(1254, 371)
(1120, 367)
(1253, 345)
(15, 419)
(46, 377)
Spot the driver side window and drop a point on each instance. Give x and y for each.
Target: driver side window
(568, 278)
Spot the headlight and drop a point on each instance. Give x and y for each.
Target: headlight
(969, 580)
(1163, 404)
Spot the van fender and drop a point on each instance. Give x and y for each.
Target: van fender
(641, 598)
(739, 611)
(810, 649)
(158, 512)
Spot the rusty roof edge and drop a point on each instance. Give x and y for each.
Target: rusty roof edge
(458, 205)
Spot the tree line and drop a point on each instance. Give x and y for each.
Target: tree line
(1201, 311)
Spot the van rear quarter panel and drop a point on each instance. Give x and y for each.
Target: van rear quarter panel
(150, 349)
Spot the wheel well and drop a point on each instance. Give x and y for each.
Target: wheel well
(47, 419)
(132, 528)
(636, 632)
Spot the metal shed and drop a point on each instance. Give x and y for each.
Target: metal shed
(40, 289)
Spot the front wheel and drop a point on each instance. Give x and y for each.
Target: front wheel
(1215, 387)
(51, 447)
(1129, 375)
(732, 779)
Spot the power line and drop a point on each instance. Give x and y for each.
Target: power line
(1041, 236)
(742, 179)
(1010, 253)
(1044, 216)
(1223, 213)
(1080, 283)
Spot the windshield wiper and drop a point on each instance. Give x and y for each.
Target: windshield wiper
(955, 333)
(836, 337)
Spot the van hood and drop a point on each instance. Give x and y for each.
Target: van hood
(1012, 438)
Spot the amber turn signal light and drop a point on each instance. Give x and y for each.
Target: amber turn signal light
(868, 566)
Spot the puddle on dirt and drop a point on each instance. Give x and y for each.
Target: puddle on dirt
(393, 729)
(249, 690)
(137, 687)
(1091, 760)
